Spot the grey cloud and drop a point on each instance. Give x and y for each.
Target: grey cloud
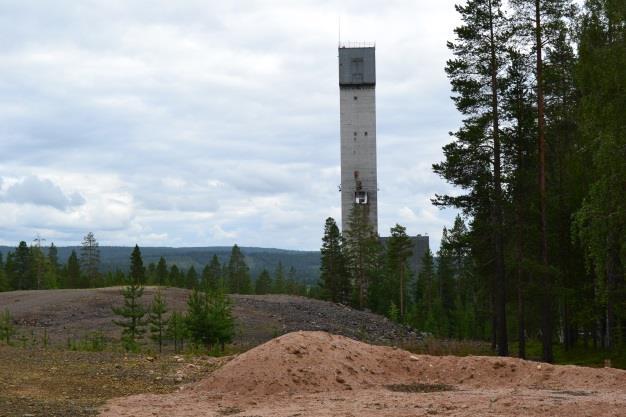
(33, 190)
(243, 93)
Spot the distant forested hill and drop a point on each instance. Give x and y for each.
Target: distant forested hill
(306, 263)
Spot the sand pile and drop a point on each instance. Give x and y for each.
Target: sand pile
(316, 374)
(309, 362)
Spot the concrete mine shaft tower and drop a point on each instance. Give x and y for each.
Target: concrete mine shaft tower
(357, 92)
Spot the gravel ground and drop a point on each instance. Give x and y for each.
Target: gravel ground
(73, 314)
(60, 383)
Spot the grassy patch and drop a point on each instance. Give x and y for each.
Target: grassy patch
(578, 355)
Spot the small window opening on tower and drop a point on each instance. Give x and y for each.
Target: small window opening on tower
(354, 133)
(356, 98)
(365, 134)
(360, 197)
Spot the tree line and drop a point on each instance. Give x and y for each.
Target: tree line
(539, 164)
(34, 267)
(445, 297)
(540, 158)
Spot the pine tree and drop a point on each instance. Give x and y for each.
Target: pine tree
(211, 275)
(197, 320)
(177, 330)
(221, 318)
(161, 272)
(176, 276)
(74, 275)
(209, 319)
(22, 274)
(600, 222)
(542, 21)
(363, 254)
(238, 273)
(263, 283)
(279, 280)
(52, 278)
(291, 285)
(151, 274)
(399, 250)
(132, 312)
(157, 319)
(474, 161)
(334, 277)
(446, 289)
(191, 278)
(90, 259)
(424, 293)
(4, 282)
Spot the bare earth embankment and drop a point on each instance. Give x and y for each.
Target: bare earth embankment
(318, 374)
(75, 313)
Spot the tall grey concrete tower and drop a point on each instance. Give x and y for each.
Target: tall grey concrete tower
(357, 92)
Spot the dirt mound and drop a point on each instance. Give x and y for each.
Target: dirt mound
(310, 362)
(316, 374)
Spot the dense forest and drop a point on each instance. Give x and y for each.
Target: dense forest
(29, 267)
(539, 164)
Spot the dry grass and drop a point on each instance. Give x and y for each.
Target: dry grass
(54, 382)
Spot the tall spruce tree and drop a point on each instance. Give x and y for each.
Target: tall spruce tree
(4, 282)
(132, 312)
(363, 254)
(542, 22)
(279, 285)
(22, 269)
(90, 259)
(177, 330)
(263, 283)
(161, 272)
(212, 275)
(474, 160)
(238, 273)
(158, 321)
(334, 278)
(191, 279)
(176, 277)
(74, 275)
(399, 250)
(600, 223)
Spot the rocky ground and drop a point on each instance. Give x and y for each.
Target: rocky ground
(74, 314)
(318, 374)
(61, 383)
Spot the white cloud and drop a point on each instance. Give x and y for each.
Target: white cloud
(201, 123)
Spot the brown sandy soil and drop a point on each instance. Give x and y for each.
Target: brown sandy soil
(319, 374)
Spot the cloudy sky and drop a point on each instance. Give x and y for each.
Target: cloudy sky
(200, 123)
